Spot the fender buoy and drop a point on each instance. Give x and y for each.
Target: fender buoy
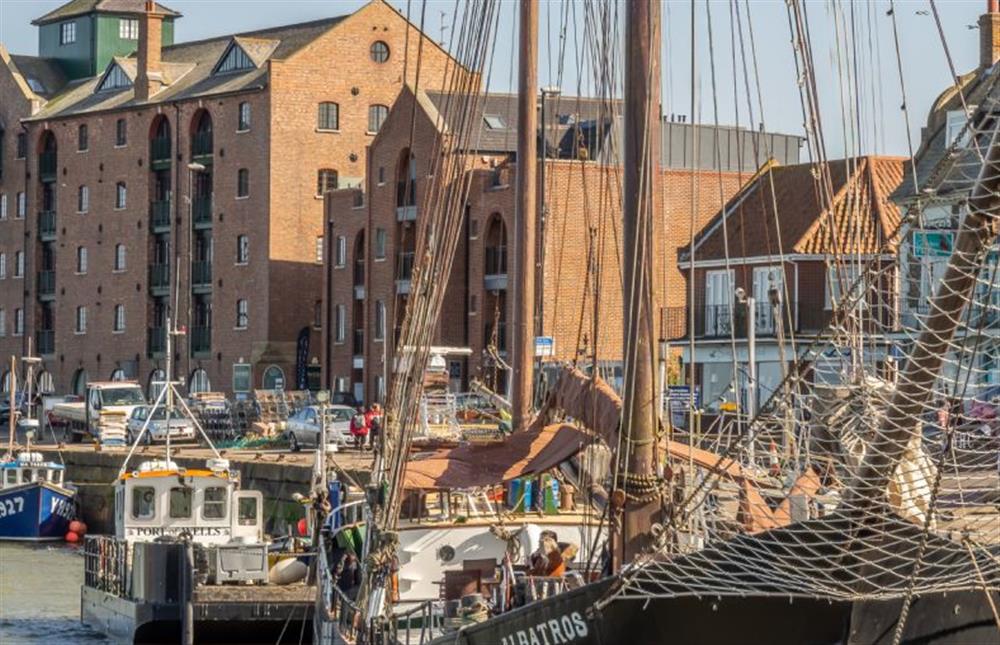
(303, 527)
(78, 527)
(72, 537)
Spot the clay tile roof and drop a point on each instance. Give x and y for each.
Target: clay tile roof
(861, 218)
(81, 7)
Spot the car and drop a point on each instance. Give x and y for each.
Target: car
(181, 428)
(344, 398)
(303, 427)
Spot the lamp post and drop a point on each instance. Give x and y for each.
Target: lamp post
(193, 168)
(751, 390)
(543, 211)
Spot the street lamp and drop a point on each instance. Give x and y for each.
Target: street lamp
(543, 210)
(193, 168)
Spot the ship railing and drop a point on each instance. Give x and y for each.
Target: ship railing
(419, 624)
(106, 565)
(542, 587)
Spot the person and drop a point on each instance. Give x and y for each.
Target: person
(374, 419)
(359, 429)
(349, 578)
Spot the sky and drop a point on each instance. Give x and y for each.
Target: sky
(857, 84)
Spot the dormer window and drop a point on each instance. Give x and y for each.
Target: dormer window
(955, 122)
(494, 122)
(235, 60)
(67, 33)
(114, 79)
(128, 28)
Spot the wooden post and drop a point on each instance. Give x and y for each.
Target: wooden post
(637, 450)
(523, 338)
(11, 418)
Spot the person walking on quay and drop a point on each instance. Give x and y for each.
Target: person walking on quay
(374, 419)
(359, 429)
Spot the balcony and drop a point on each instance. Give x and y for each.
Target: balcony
(359, 292)
(406, 213)
(201, 276)
(202, 212)
(495, 278)
(404, 271)
(201, 340)
(47, 226)
(359, 342)
(159, 279)
(201, 146)
(46, 285)
(159, 150)
(47, 171)
(46, 341)
(156, 341)
(724, 321)
(159, 216)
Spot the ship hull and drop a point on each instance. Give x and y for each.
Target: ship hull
(35, 512)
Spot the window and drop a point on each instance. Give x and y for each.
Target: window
(329, 116)
(114, 79)
(82, 199)
(242, 183)
(18, 322)
(473, 228)
(81, 320)
(340, 259)
(319, 249)
(214, 507)
(247, 511)
(128, 28)
(81, 138)
(242, 249)
(273, 378)
(3, 206)
(121, 133)
(3, 266)
(67, 33)
(719, 302)
(379, 51)
(81, 259)
(381, 175)
(494, 122)
(22, 146)
(241, 377)
(3, 323)
(326, 180)
(845, 275)
(380, 238)
(199, 382)
(22, 206)
(242, 314)
(376, 117)
(243, 122)
(143, 502)
(340, 323)
(119, 323)
(234, 60)
(318, 314)
(379, 320)
(18, 264)
(473, 304)
(119, 257)
(180, 503)
(121, 196)
(954, 123)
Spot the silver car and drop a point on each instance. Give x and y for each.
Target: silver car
(303, 428)
(181, 428)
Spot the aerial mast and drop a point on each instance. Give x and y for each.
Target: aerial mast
(523, 338)
(636, 497)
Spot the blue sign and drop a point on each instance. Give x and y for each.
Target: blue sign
(679, 403)
(545, 346)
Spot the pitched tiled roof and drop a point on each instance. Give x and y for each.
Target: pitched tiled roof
(860, 219)
(43, 75)
(81, 7)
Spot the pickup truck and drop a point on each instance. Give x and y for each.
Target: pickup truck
(103, 414)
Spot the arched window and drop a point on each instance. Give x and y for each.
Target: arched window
(5, 383)
(155, 386)
(199, 382)
(80, 380)
(159, 142)
(496, 246)
(379, 51)
(46, 384)
(376, 117)
(406, 179)
(118, 375)
(273, 378)
(201, 134)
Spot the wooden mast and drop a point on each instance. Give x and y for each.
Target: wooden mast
(523, 337)
(637, 496)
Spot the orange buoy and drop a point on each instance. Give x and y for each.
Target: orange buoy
(78, 527)
(303, 527)
(72, 537)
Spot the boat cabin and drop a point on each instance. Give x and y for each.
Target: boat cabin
(30, 467)
(161, 499)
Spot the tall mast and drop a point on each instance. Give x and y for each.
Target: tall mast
(523, 341)
(637, 450)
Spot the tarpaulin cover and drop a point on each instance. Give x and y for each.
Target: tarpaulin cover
(523, 453)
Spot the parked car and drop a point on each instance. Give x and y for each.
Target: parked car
(303, 427)
(345, 398)
(181, 428)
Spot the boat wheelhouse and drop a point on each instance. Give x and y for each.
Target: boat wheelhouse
(35, 504)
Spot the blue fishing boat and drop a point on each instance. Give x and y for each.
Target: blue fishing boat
(35, 503)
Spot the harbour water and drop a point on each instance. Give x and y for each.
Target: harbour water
(40, 595)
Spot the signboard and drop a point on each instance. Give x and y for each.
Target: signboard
(679, 401)
(301, 361)
(545, 346)
(933, 244)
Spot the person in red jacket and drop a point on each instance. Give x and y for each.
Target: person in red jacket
(359, 429)
(373, 418)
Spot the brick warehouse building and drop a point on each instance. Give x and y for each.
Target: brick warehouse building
(372, 233)
(124, 154)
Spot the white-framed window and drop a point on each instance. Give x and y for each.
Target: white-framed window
(846, 274)
(81, 320)
(121, 133)
(241, 377)
(18, 264)
(376, 117)
(128, 28)
(22, 206)
(242, 183)
(121, 195)
(242, 249)
(199, 382)
(764, 279)
(115, 79)
(82, 138)
(67, 33)
(82, 199)
(119, 322)
(234, 60)
(19, 322)
(718, 302)
(327, 179)
(340, 323)
(273, 378)
(473, 304)
(379, 51)
(955, 121)
(81, 259)
(340, 257)
(328, 116)
(3, 205)
(242, 314)
(379, 320)
(380, 240)
(120, 258)
(3, 266)
(243, 120)
(3, 323)
(319, 249)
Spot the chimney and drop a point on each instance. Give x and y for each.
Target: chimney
(149, 79)
(989, 35)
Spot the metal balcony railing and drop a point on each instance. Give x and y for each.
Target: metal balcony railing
(202, 210)
(201, 339)
(46, 283)
(47, 163)
(46, 341)
(159, 215)
(201, 273)
(496, 260)
(159, 276)
(156, 340)
(404, 266)
(201, 144)
(47, 225)
(159, 149)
